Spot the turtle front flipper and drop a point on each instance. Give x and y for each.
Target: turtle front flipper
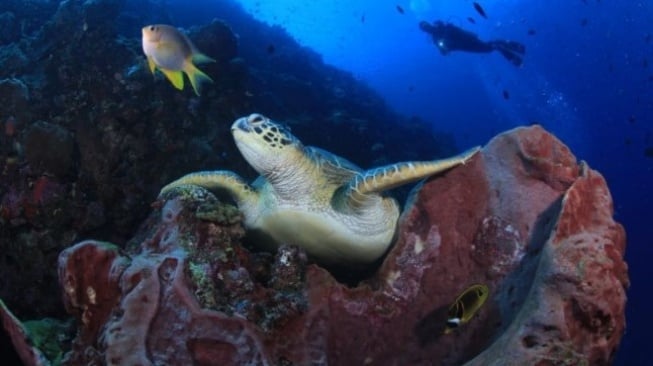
(221, 180)
(391, 176)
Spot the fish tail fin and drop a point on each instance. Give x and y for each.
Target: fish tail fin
(200, 58)
(196, 77)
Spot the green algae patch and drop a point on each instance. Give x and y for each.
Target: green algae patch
(205, 291)
(51, 336)
(43, 342)
(220, 213)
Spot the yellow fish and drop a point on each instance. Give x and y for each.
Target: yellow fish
(465, 306)
(170, 51)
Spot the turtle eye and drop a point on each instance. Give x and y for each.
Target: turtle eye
(256, 118)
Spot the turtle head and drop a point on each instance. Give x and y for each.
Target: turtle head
(267, 146)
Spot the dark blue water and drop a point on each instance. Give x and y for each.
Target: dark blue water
(586, 77)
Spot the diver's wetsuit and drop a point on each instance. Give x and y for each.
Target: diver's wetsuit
(447, 37)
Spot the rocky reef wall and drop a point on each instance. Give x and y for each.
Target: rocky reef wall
(523, 218)
(88, 136)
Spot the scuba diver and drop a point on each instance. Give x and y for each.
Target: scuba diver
(447, 37)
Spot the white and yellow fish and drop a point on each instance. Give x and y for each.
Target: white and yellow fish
(170, 51)
(465, 306)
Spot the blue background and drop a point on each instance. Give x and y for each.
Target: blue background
(585, 77)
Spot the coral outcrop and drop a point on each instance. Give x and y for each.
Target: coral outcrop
(88, 135)
(523, 217)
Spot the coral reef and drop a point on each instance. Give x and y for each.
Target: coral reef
(523, 217)
(88, 136)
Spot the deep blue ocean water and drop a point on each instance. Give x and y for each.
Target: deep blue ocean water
(586, 77)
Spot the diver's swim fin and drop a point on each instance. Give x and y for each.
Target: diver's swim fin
(514, 46)
(511, 50)
(514, 58)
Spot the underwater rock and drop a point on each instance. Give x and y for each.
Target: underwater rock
(523, 218)
(96, 11)
(219, 40)
(14, 91)
(37, 342)
(574, 312)
(17, 332)
(9, 28)
(14, 96)
(539, 232)
(49, 148)
(12, 59)
(14, 99)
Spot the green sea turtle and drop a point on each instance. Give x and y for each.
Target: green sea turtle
(308, 197)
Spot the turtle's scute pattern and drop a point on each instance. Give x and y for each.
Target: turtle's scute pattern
(311, 198)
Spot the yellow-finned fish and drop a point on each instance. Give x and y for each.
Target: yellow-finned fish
(465, 306)
(170, 51)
